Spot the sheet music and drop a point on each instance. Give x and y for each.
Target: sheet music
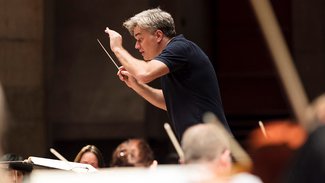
(62, 165)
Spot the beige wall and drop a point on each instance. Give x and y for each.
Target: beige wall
(21, 74)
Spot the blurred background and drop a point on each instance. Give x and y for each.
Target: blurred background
(62, 91)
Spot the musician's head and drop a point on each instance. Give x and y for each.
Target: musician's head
(90, 154)
(202, 143)
(133, 153)
(15, 168)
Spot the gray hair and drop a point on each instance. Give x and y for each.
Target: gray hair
(203, 143)
(152, 20)
(315, 113)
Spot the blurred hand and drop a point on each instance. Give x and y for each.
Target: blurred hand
(126, 77)
(154, 164)
(115, 39)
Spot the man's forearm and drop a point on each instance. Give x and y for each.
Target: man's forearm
(152, 95)
(144, 72)
(131, 64)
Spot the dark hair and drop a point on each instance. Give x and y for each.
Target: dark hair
(16, 162)
(125, 155)
(93, 149)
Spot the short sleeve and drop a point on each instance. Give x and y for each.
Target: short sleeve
(175, 55)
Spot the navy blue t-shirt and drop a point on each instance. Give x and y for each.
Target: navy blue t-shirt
(191, 88)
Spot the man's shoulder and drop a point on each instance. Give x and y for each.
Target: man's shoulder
(181, 43)
(179, 39)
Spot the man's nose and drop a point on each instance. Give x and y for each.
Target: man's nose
(137, 46)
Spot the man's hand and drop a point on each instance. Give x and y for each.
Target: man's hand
(126, 77)
(115, 39)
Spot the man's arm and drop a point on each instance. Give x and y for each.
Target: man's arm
(152, 95)
(144, 72)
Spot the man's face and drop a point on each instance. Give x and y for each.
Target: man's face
(147, 43)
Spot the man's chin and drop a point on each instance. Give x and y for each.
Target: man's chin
(146, 59)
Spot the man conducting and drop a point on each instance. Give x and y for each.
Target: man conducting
(188, 80)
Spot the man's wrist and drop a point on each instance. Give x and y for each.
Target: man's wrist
(117, 50)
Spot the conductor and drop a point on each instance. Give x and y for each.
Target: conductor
(188, 80)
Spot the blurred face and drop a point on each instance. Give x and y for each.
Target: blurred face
(13, 176)
(147, 43)
(89, 158)
(134, 153)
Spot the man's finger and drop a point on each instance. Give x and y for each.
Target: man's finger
(121, 77)
(107, 30)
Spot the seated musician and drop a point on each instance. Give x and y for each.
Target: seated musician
(133, 153)
(15, 170)
(90, 154)
(203, 145)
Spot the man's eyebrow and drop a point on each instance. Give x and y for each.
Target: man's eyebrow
(137, 34)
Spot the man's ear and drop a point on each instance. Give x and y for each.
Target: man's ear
(225, 158)
(159, 35)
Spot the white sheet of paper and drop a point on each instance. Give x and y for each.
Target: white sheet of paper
(62, 165)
